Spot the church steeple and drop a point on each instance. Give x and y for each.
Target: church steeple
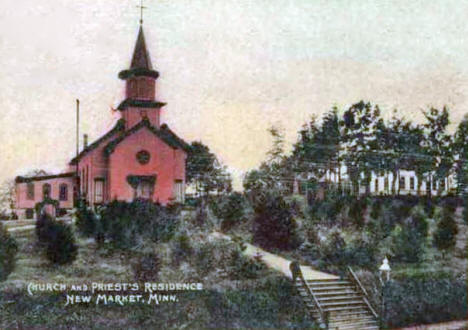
(141, 58)
(140, 91)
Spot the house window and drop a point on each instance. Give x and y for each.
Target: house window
(386, 184)
(30, 191)
(376, 185)
(402, 183)
(63, 192)
(46, 190)
(411, 183)
(442, 183)
(29, 213)
(179, 191)
(98, 191)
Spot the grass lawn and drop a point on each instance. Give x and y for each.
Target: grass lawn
(264, 303)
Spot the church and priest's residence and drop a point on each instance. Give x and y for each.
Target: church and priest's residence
(138, 158)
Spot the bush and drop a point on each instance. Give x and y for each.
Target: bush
(8, 250)
(61, 247)
(43, 228)
(243, 267)
(424, 300)
(445, 236)
(274, 225)
(407, 244)
(182, 248)
(147, 267)
(230, 209)
(85, 220)
(126, 224)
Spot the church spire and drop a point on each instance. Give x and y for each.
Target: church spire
(141, 58)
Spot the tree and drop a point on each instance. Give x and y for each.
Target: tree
(460, 149)
(360, 123)
(438, 142)
(205, 171)
(8, 250)
(445, 236)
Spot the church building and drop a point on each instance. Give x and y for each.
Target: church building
(138, 158)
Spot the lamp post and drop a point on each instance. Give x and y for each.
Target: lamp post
(384, 276)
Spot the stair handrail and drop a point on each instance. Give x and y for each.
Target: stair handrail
(356, 281)
(296, 272)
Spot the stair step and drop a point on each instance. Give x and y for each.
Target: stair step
(328, 283)
(349, 323)
(340, 297)
(330, 288)
(343, 303)
(342, 308)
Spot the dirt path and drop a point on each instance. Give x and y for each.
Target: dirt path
(278, 263)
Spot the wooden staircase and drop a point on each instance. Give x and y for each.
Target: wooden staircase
(338, 303)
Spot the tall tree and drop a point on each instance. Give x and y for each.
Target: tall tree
(438, 142)
(205, 171)
(361, 145)
(460, 149)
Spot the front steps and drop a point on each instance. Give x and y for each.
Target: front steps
(341, 301)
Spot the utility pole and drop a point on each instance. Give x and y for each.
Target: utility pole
(77, 180)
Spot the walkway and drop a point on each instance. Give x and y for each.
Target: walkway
(279, 263)
(456, 325)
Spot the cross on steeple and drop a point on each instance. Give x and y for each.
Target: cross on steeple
(141, 11)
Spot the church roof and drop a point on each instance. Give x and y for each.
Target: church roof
(164, 133)
(119, 127)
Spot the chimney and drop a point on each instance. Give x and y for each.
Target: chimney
(85, 141)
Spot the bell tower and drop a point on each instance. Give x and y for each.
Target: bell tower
(140, 87)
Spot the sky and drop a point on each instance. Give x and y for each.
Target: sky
(229, 70)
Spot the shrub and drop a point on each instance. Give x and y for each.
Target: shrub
(8, 250)
(61, 247)
(243, 267)
(182, 248)
(274, 225)
(424, 300)
(85, 220)
(147, 267)
(445, 236)
(43, 227)
(125, 224)
(357, 211)
(407, 244)
(229, 209)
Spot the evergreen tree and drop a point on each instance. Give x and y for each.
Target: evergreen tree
(445, 236)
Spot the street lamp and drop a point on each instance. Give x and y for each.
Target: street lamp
(384, 269)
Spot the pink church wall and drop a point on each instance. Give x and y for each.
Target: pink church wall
(166, 163)
(134, 115)
(92, 166)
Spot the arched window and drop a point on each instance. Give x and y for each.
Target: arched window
(63, 192)
(46, 190)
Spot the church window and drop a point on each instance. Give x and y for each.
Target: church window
(30, 191)
(143, 157)
(63, 192)
(46, 190)
(98, 191)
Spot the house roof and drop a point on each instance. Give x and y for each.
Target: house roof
(119, 127)
(21, 179)
(164, 133)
